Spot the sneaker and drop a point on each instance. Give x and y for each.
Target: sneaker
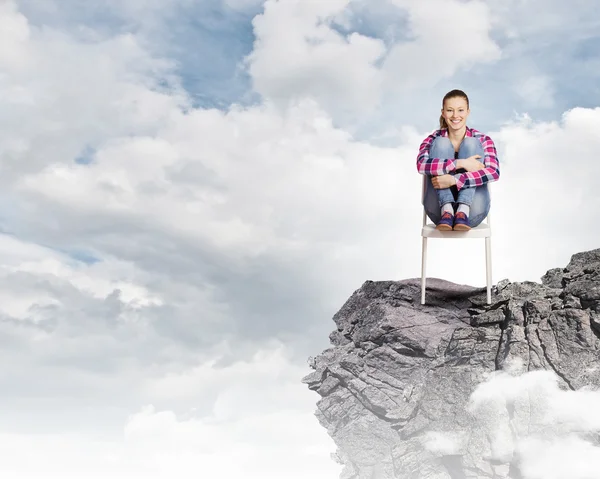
(446, 222)
(461, 222)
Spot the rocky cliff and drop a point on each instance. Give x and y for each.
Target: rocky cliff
(400, 372)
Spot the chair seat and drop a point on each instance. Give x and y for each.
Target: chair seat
(483, 230)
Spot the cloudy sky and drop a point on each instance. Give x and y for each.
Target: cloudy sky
(190, 189)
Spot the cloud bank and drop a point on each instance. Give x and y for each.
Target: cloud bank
(533, 427)
(175, 263)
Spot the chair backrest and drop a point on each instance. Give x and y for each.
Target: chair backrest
(423, 201)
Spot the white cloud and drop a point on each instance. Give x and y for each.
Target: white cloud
(525, 419)
(448, 35)
(547, 433)
(298, 54)
(570, 457)
(98, 280)
(13, 36)
(74, 95)
(539, 160)
(280, 436)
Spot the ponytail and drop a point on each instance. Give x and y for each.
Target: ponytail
(443, 123)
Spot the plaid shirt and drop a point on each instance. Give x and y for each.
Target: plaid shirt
(441, 166)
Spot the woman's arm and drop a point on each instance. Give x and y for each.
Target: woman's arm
(491, 172)
(433, 166)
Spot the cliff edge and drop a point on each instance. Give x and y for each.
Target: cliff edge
(400, 374)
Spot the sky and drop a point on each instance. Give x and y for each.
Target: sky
(190, 189)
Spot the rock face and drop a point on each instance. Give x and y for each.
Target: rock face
(400, 371)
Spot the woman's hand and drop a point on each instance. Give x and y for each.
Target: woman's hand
(471, 163)
(443, 181)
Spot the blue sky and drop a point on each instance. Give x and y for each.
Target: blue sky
(191, 189)
(207, 41)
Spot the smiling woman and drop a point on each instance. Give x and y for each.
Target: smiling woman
(459, 162)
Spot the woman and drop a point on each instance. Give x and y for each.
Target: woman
(459, 162)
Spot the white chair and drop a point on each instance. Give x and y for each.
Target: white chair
(483, 230)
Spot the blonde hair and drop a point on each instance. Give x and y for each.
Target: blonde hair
(447, 96)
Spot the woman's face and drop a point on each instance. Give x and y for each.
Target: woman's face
(455, 112)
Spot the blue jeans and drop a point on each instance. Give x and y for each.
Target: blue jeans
(478, 198)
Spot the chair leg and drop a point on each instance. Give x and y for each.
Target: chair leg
(488, 268)
(423, 266)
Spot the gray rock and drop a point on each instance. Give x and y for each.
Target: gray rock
(399, 371)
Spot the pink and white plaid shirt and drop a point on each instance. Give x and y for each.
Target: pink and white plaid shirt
(442, 166)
